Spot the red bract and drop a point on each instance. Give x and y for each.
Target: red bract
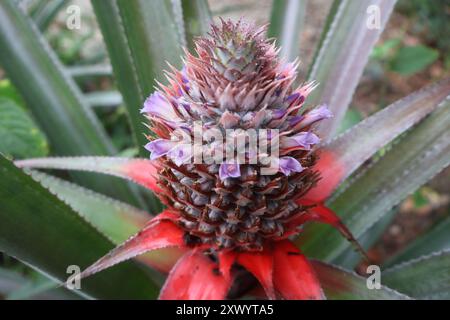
(230, 216)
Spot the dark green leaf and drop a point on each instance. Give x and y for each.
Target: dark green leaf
(340, 284)
(117, 220)
(53, 97)
(438, 238)
(48, 235)
(427, 277)
(113, 218)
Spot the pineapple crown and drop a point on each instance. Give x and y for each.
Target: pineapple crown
(236, 101)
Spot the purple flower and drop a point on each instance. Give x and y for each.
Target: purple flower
(304, 140)
(181, 154)
(278, 113)
(159, 147)
(157, 105)
(292, 97)
(229, 170)
(295, 119)
(287, 165)
(315, 115)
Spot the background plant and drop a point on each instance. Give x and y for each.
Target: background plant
(60, 96)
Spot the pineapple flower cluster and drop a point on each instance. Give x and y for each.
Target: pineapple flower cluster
(236, 166)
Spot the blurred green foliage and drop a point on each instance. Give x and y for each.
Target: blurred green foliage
(20, 136)
(432, 20)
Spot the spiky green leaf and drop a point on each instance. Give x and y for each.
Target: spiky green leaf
(436, 239)
(340, 284)
(417, 157)
(427, 277)
(53, 97)
(48, 235)
(343, 54)
(141, 37)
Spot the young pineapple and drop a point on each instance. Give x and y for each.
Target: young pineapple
(236, 82)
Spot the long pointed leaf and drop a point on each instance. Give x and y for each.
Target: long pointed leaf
(47, 13)
(427, 277)
(52, 96)
(438, 238)
(340, 61)
(416, 158)
(140, 171)
(340, 284)
(117, 220)
(342, 156)
(285, 25)
(141, 38)
(48, 235)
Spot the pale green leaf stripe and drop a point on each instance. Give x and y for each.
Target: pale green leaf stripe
(98, 70)
(106, 165)
(197, 20)
(20, 137)
(436, 239)
(343, 55)
(53, 97)
(286, 23)
(176, 11)
(115, 219)
(48, 235)
(141, 37)
(340, 284)
(104, 99)
(417, 157)
(427, 277)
